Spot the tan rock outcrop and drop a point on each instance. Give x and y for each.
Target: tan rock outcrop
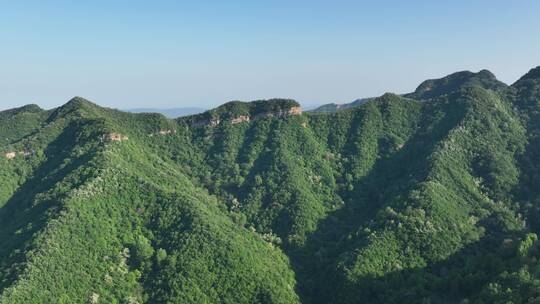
(214, 122)
(281, 113)
(166, 132)
(207, 122)
(10, 155)
(240, 119)
(294, 111)
(113, 137)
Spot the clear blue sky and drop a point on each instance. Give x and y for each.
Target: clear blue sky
(129, 54)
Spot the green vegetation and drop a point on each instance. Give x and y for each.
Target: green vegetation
(429, 197)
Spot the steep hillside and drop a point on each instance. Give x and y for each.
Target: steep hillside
(430, 197)
(102, 217)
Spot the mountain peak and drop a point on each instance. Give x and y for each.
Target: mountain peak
(533, 74)
(437, 87)
(75, 104)
(29, 108)
(78, 102)
(486, 74)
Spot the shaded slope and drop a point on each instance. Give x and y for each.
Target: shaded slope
(415, 225)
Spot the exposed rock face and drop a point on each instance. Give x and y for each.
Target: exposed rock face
(13, 154)
(162, 133)
(166, 132)
(10, 155)
(285, 112)
(280, 113)
(295, 111)
(214, 122)
(27, 153)
(207, 122)
(240, 119)
(113, 137)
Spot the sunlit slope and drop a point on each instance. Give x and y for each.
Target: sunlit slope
(84, 225)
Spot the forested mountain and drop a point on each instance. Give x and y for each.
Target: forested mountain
(429, 197)
(431, 88)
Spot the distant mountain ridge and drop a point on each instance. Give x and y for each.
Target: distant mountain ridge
(170, 112)
(333, 107)
(433, 88)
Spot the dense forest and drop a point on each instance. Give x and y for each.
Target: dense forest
(427, 197)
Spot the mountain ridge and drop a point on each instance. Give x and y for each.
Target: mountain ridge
(434, 87)
(423, 197)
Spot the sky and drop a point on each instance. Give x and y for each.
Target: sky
(166, 54)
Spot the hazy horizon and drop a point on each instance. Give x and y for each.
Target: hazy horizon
(192, 107)
(203, 54)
